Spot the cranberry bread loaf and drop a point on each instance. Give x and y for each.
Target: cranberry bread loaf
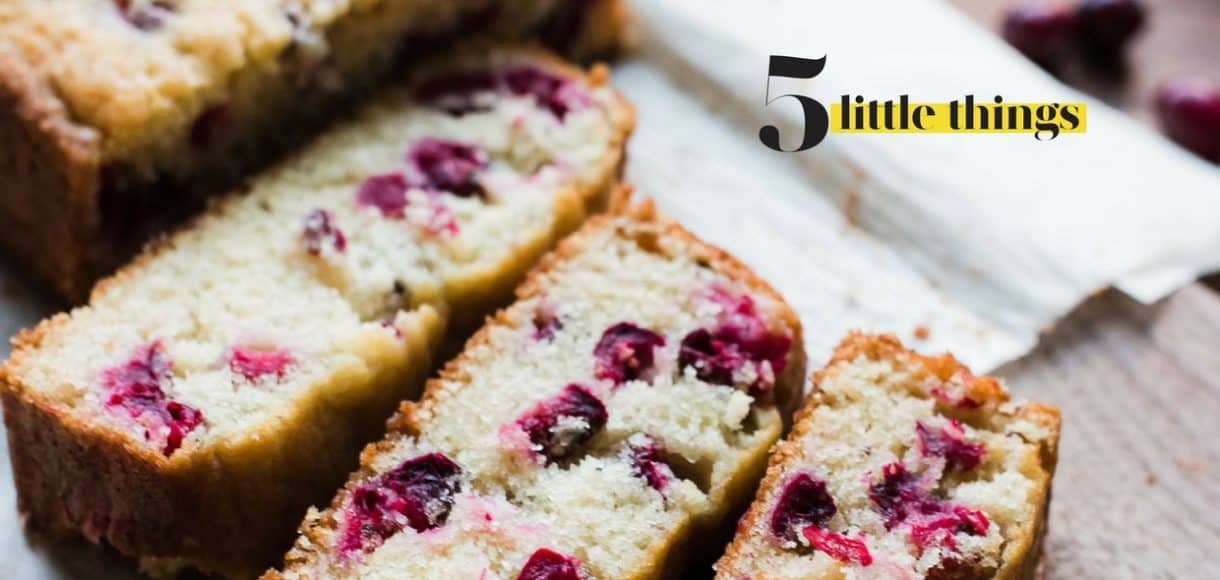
(227, 379)
(620, 410)
(902, 466)
(119, 114)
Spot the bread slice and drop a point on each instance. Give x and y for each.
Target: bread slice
(602, 426)
(227, 378)
(902, 466)
(121, 115)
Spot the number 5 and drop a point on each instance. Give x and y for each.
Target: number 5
(817, 120)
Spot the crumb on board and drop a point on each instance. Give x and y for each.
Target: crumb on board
(922, 332)
(851, 207)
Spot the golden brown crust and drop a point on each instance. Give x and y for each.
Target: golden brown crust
(50, 170)
(1023, 551)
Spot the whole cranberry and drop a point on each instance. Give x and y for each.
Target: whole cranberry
(1105, 26)
(1040, 31)
(1189, 110)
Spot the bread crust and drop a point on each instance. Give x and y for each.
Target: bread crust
(692, 544)
(49, 166)
(1023, 551)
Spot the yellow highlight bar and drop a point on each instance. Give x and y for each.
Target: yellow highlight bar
(1045, 120)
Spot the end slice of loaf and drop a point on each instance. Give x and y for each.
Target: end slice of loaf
(902, 466)
(603, 426)
(120, 116)
(226, 379)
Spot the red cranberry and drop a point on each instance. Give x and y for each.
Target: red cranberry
(899, 495)
(145, 16)
(454, 93)
(253, 364)
(1105, 26)
(559, 426)
(647, 464)
(448, 166)
(550, 565)
(210, 126)
(137, 388)
(546, 324)
(803, 502)
(739, 341)
(938, 529)
(552, 93)
(386, 192)
(1040, 31)
(458, 94)
(838, 546)
(625, 352)
(1190, 114)
(320, 231)
(418, 493)
(902, 497)
(949, 442)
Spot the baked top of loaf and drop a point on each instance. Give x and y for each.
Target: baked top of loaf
(329, 268)
(147, 74)
(583, 430)
(901, 466)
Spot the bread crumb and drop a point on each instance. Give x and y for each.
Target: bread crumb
(922, 332)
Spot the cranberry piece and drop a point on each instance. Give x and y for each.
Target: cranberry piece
(418, 493)
(454, 93)
(647, 464)
(899, 495)
(547, 564)
(320, 231)
(1105, 26)
(838, 546)
(457, 94)
(1040, 31)
(803, 502)
(902, 497)
(552, 93)
(448, 166)
(210, 125)
(557, 427)
(137, 388)
(386, 192)
(145, 16)
(938, 529)
(741, 340)
(253, 364)
(624, 352)
(1189, 110)
(546, 324)
(949, 442)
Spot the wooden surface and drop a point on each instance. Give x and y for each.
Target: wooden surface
(1137, 494)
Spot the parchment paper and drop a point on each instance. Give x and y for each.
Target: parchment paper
(979, 240)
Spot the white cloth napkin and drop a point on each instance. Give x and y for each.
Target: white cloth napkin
(981, 239)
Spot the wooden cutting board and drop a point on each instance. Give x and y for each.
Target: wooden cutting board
(1137, 493)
